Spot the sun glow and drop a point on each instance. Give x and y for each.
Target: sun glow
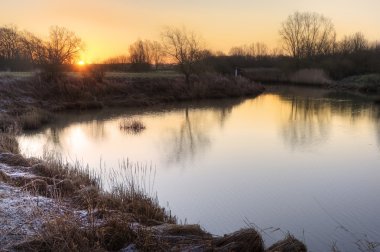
(81, 63)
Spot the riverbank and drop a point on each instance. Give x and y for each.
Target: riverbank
(52, 205)
(32, 100)
(366, 86)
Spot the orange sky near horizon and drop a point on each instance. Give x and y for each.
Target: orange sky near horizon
(109, 27)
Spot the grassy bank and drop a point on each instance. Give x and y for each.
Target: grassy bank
(32, 100)
(368, 85)
(96, 220)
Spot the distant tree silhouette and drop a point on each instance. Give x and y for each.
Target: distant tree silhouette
(9, 42)
(257, 49)
(33, 48)
(11, 48)
(140, 55)
(306, 35)
(353, 44)
(157, 53)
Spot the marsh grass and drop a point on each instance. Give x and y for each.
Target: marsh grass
(110, 214)
(133, 126)
(14, 159)
(34, 118)
(289, 243)
(152, 74)
(16, 74)
(53, 166)
(8, 143)
(310, 76)
(67, 233)
(368, 83)
(133, 192)
(179, 230)
(8, 124)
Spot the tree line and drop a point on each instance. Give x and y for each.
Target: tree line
(22, 50)
(307, 40)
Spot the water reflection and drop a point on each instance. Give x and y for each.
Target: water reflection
(189, 140)
(308, 120)
(185, 128)
(308, 123)
(221, 162)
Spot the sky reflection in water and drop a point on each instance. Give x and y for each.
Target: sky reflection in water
(302, 160)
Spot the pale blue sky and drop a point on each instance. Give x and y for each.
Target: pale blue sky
(109, 26)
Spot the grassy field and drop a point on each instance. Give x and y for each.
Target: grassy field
(152, 74)
(17, 74)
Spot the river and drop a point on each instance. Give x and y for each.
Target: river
(298, 160)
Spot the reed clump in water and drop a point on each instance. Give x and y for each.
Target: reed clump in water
(134, 126)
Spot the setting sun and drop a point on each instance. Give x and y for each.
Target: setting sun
(81, 62)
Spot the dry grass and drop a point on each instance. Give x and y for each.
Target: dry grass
(14, 159)
(73, 92)
(108, 224)
(369, 83)
(310, 76)
(218, 86)
(8, 143)
(127, 196)
(290, 243)
(110, 214)
(7, 124)
(185, 230)
(244, 240)
(68, 233)
(4, 177)
(153, 74)
(61, 234)
(54, 167)
(34, 118)
(16, 74)
(133, 126)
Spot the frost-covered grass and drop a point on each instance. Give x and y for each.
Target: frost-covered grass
(109, 215)
(368, 83)
(17, 74)
(22, 214)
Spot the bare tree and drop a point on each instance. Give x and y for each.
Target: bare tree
(353, 44)
(63, 47)
(239, 51)
(184, 47)
(140, 55)
(33, 48)
(157, 53)
(307, 35)
(10, 40)
(257, 49)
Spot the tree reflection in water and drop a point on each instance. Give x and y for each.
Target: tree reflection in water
(308, 123)
(192, 137)
(309, 119)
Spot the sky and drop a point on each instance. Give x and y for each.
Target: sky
(108, 27)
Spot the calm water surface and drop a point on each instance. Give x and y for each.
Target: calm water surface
(299, 160)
